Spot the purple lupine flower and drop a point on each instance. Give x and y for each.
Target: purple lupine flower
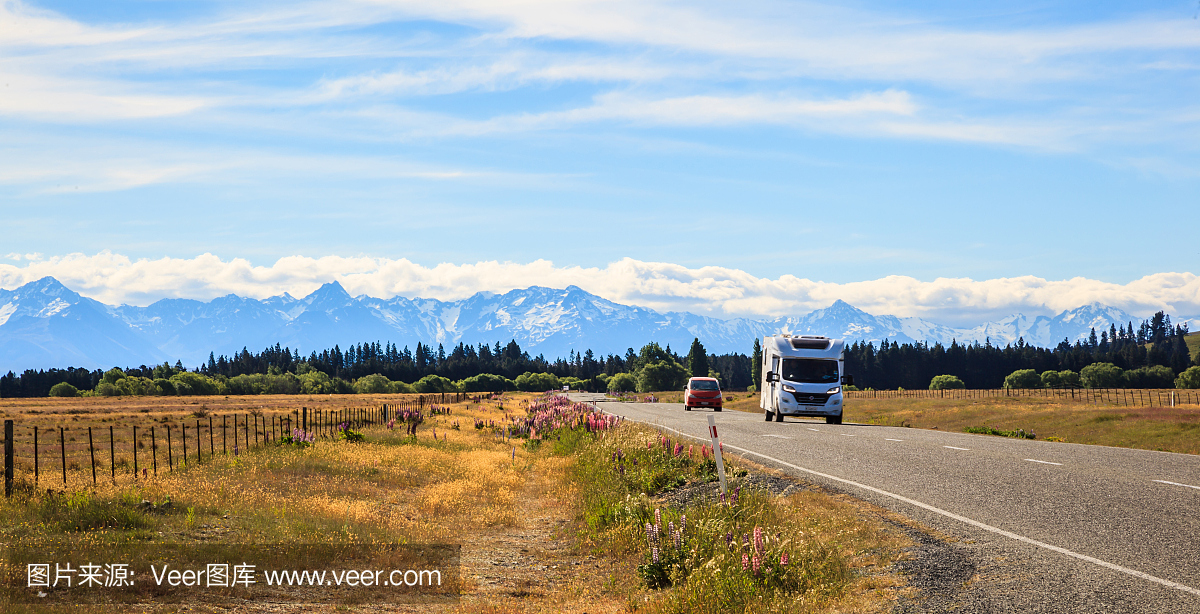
(729, 540)
(649, 535)
(745, 539)
(657, 518)
(654, 552)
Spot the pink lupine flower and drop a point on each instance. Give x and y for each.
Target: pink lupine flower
(745, 562)
(783, 559)
(657, 517)
(755, 562)
(758, 540)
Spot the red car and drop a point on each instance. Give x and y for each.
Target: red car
(702, 392)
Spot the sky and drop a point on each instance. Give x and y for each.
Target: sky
(957, 161)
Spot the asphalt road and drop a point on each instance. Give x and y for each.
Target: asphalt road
(1050, 527)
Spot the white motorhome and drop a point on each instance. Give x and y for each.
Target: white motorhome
(803, 376)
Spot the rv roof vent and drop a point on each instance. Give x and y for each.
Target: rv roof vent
(810, 343)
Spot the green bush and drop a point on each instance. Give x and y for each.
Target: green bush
(1189, 378)
(373, 384)
(63, 389)
(1102, 375)
(946, 382)
(661, 375)
(537, 382)
(487, 382)
(434, 383)
(1023, 378)
(1157, 376)
(622, 382)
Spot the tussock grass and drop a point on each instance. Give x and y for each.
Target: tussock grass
(812, 553)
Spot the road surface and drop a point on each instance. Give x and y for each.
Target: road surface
(1050, 527)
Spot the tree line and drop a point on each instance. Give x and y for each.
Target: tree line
(1156, 343)
(375, 367)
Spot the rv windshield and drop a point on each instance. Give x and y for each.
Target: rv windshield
(810, 371)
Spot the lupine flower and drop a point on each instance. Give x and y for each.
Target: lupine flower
(729, 540)
(654, 552)
(658, 517)
(682, 523)
(755, 562)
(783, 559)
(745, 562)
(758, 540)
(745, 539)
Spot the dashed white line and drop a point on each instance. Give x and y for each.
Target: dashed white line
(1177, 484)
(845, 434)
(954, 448)
(1034, 460)
(814, 430)
(886, 439)
(975, 523)
(776, 436)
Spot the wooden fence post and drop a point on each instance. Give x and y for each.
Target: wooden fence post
(135, 467)
(224, 450)
(112, 453)
(184, 438)
(154, 450)
(8, 458)
(92, 453)
(170, 455)
(35, 456)
(212, 449)
(198, 447)
(62, 452)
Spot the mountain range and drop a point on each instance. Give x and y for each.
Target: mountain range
(44, 324)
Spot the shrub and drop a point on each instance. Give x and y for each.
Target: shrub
(63, 389)
(487, 382)
(537, 382)
(622, 382)
(434, 383)
(1023, 378)
(1189, 378)
(661, 375)
(373, 384)
(946, 382)
(1157, 376)
(1101, 375)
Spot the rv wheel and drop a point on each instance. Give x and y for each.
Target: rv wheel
(779, 416)
(833, 419)
(687, 408)
(768, 414)
(716, 409)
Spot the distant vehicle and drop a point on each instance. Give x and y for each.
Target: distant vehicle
(803, 376)
(702, 392)
(566, 388)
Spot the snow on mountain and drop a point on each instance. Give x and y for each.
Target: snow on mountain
(43, 324)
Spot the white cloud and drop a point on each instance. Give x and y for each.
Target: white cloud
(717, 291)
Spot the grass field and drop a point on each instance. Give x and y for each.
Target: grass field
(516, 508)
(1170, 429)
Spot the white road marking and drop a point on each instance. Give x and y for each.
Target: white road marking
(814, 430)
(1177, 484)
(975, 523)
(1034, 460)
(886, 439)
(777, 436)
(954, 448)
(845, 434)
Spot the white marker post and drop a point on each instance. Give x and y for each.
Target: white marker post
(716, 444)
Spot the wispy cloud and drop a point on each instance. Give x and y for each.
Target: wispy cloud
(717, 291)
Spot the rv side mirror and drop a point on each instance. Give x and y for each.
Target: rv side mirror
(772, 376)
(848, 380)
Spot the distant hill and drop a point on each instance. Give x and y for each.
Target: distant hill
(45, 324)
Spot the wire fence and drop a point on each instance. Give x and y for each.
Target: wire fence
(73, 457)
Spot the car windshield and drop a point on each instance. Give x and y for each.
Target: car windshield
(704, 384)
(809, 371)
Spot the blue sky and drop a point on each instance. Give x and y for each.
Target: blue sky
(834, 144)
